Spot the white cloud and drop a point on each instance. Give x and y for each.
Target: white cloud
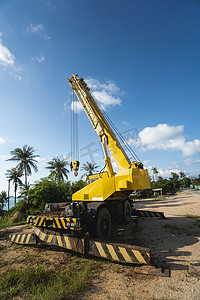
(190, 161)
(18, 77)
(166, 172)
(166, 137)
(105, 98)
(109, 86)
(42, 160)
(175, 164)
(145, 162)
(76, 106)
(39, 30)
(106, 94)
(6, 57)
(40, 59)
(2, 141)
(125, 123)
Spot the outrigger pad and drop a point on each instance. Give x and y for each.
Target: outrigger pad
(163, 271)
(23, 238)
(148, 214)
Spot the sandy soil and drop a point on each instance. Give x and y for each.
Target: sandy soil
(174, 240)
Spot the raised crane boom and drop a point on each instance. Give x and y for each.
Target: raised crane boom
(98, 121)
(107, 185)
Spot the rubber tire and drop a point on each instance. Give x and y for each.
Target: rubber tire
(127, 211)
(103, 224)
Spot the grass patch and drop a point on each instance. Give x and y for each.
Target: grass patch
(38, 283)
(195, 218)
(6, 223)
(15, 216)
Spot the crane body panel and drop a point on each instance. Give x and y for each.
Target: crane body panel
(109, 188)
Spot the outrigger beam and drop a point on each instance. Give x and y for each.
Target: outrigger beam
(121, 253)
(148, 214)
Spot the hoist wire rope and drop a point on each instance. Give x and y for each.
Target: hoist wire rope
(117, 132)
(74, 128)
(71, 127)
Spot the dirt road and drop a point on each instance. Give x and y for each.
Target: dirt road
(174, 240)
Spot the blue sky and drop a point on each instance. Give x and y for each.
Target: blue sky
(140, 58)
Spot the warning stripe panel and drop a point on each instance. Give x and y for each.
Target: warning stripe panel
(120, 253)
(147, 214)
(58, 223)
(111, 251)
(60, 239)
(26, 238)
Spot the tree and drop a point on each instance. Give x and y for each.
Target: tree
(155, 172)
(26, 159)
(196, 180)
(175, 180)
(90, 168)
(48, 191)
(77, 185)
(9, 180)
(24, 189)
(3, 199)
(182, 175)
(58, 169)
(14, 175)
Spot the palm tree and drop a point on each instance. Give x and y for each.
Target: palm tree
(26, 159)
(155, 172)
(9, 193)
(90, 168)
(58, 168)
(14, 175)
(3, 199)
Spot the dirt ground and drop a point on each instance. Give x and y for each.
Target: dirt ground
(174, 240)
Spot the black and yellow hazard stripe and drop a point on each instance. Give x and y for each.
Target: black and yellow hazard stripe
(148, 214)
(112, 251)
(61, 239)
(57, 223)
(120, 252)
(25, 238)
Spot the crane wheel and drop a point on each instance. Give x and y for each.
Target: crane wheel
(103, 224)
(127, 211)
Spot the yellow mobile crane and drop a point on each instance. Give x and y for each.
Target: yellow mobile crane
(106, 195)
(103, 201)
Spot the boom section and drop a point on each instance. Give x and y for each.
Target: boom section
(98, 121)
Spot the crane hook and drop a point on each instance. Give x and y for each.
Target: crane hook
(75, 166)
